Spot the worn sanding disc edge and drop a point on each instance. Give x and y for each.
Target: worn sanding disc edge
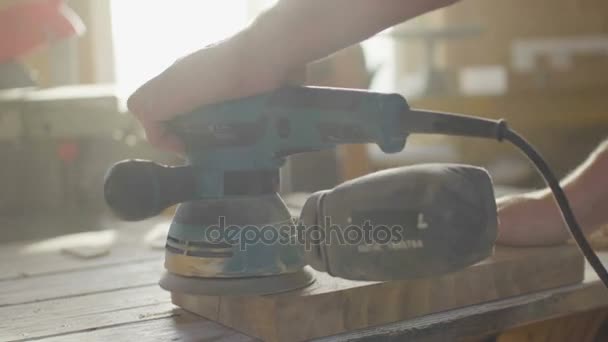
(245, 286)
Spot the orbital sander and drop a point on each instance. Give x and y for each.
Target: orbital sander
(233, 235)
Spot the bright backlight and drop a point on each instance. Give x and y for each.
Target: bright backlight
(149, 35)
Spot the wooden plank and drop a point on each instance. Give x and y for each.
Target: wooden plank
(117, 311)
(52, 263)
(70, 304)
(182, 326)
(65, 315)
(40, 258)
(52, 274)
(489, 318)
(584, 327)
(332, 306)
(96, 296)
(78, 283)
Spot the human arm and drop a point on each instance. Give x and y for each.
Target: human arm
(533, 219)
(260, 57)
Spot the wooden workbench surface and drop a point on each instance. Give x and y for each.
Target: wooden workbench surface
(103, 286)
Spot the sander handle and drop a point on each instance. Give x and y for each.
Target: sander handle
(139, 189)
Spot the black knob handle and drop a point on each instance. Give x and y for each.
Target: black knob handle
(139, 189)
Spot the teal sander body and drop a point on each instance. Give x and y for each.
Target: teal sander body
(230, 184)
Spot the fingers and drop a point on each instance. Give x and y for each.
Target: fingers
(156, 133)
(258, 59)
(158, 136)
(234, 68)
(191, 81)
(227, 70)
(529, 221)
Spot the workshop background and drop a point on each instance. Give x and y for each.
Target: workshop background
(68, 66)
(542, 65)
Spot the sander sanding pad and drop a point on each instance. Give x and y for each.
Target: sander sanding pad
(246, 286)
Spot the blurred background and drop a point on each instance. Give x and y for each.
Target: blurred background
(67, 67)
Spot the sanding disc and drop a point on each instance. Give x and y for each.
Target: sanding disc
(246, 286)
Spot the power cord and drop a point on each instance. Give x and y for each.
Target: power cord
(560, 198)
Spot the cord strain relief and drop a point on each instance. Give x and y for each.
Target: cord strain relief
(501, 129)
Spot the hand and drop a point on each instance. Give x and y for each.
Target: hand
(530, 220)
(260, 58)
(219, 72)
(534, 218)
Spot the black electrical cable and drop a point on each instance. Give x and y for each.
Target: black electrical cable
(560, 197)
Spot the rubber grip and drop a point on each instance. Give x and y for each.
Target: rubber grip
(139, 189)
